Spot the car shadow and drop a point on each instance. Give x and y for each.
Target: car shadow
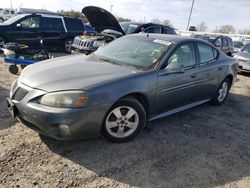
(202, 147)
(6, 119)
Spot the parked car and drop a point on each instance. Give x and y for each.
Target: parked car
(108, 29)
(115, 90)
(221, 42)
(238, 45)
(56, 31)
(244, 59)
(6, 14)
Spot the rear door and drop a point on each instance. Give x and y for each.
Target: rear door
(53, 30)
(176, 90)
(208, 71)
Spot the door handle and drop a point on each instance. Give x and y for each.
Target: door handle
(193, 75)
(220, 68)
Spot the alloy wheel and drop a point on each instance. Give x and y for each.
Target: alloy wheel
(122, 121)
(67, 45)
(223, 91)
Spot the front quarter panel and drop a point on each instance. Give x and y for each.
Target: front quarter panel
(110, 92)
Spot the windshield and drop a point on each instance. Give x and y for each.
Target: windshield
(246, 48)
(140, 52)
(128, 27)
(15, 18)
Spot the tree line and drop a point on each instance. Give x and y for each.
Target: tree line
(202, 26)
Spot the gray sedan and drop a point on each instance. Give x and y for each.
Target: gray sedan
(116, 90)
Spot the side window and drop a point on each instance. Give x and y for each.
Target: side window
(153, 29)
(224, 42)
(12, 12)
(207, 53)
(52, 24)
(168, 31)
(6, 12)
(74, 24)
(218, 42)
(185, 55)
(31, 23)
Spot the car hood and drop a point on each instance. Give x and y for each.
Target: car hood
(101, 19)
(244, 56)
(70, 73)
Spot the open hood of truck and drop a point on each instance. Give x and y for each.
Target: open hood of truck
(101, 19)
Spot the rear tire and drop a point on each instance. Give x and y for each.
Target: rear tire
(222, 92)
(13, 69)
(1, 20)
(124, 121)
(67, 45)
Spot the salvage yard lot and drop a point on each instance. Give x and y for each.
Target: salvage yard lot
(206, 146)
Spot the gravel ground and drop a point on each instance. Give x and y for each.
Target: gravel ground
(206, 146)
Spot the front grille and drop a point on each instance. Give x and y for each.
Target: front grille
(20, 94)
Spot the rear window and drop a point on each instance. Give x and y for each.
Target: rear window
(74, 24)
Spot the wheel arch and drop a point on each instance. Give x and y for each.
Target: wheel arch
(230, 77)
(141, 98)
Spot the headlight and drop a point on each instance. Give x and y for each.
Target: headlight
(65, 99)
(98, 44)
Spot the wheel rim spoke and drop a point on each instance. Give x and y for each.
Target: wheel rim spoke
(131, 125)
(111, 124)
(130, 113)
(120, 131)
(117, 113)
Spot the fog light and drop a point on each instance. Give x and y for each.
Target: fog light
(64, 130)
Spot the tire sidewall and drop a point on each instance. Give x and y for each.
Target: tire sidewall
(64, 45)
(136, 105)
(215, 99)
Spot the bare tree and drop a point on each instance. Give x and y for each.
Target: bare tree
(167, 22)
(121, 19)
(202, 26)
(245, 32)
(156, 20)
(227, 29)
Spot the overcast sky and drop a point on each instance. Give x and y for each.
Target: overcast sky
(212, 12)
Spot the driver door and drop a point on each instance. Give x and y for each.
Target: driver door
(177, 89)
(28, 31)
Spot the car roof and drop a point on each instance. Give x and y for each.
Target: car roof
(166, 37)
(145, 24)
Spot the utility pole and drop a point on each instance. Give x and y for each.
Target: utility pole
(11, 4)
(190, 14)
(111, 6)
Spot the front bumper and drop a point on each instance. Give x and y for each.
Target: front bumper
(57, 123)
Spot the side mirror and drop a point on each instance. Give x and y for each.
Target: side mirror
(174, 68)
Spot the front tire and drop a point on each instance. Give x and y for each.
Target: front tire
(124, 121)
(222, 92)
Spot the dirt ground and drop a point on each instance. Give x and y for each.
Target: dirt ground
(206, 146)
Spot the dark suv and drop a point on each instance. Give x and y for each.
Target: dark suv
(56, 31)
(221, 42)
(108, 29)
